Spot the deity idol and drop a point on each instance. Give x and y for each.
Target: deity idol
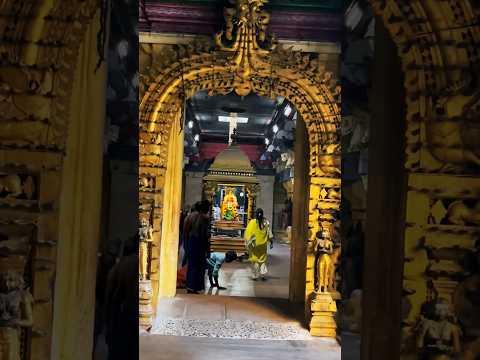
(15, 313)
(229, 206)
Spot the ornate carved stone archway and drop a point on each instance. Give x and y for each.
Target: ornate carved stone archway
(244, 59)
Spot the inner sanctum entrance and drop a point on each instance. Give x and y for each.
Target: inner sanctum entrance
(240, 166)
(238, 155)
(232, 146)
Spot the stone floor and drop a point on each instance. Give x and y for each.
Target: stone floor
(236, 277)
(237, 328)
(230, 318)
(157, 347)
(249, 320)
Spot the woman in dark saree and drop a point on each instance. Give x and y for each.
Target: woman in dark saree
(197, 234)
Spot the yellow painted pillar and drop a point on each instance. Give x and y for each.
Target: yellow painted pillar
(172, 203)
(80, 209)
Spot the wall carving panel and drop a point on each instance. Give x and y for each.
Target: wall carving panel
(438, 45)
(38, 50)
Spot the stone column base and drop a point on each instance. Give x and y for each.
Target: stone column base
(323, 322)
(145, 310)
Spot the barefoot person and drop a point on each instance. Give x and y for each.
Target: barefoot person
(258, 234)
(215, 262)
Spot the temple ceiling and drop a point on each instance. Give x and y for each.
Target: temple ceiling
(308, 20)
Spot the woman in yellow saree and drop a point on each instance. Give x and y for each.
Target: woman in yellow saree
(258, 234)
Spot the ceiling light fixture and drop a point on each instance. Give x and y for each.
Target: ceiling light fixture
(275, 128)
(238, 120)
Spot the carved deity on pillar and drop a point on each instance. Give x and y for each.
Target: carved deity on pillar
(146, 237)
(15, 313)
(325, 268)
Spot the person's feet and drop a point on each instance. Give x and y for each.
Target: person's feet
(218, 287)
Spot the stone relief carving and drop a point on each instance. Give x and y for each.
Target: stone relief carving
(438, 331)
(16, 186)
(455, 141)
(16, 313)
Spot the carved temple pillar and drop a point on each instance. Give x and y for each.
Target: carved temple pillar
(209, 189)
(323, 215)
(51, 152)
(252, 193)
(171, 215)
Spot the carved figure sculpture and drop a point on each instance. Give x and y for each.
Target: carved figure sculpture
(459, 214)
(146, 237)
(229, 206)
(12, 184)
(15, 313)
(453, 142)
(325, 269)
(438, 335)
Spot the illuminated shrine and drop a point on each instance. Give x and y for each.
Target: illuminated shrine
(232, 186)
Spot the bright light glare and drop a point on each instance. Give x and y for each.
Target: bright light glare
(196, 137)
(275, 129)
(288, 110)
(267, 141)
(239, 120)
(190, 124)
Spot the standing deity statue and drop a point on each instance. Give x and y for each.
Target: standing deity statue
(325, 267)
(146, 237)
(438, 334)
(15, 313)
(230, 206)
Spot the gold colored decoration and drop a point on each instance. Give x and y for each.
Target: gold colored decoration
(146, 237)
(229, 206)
(442, 157)
(242, 59)
(145, 304)
(249, 45)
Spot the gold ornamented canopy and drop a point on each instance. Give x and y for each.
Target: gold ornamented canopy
(232, 165)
